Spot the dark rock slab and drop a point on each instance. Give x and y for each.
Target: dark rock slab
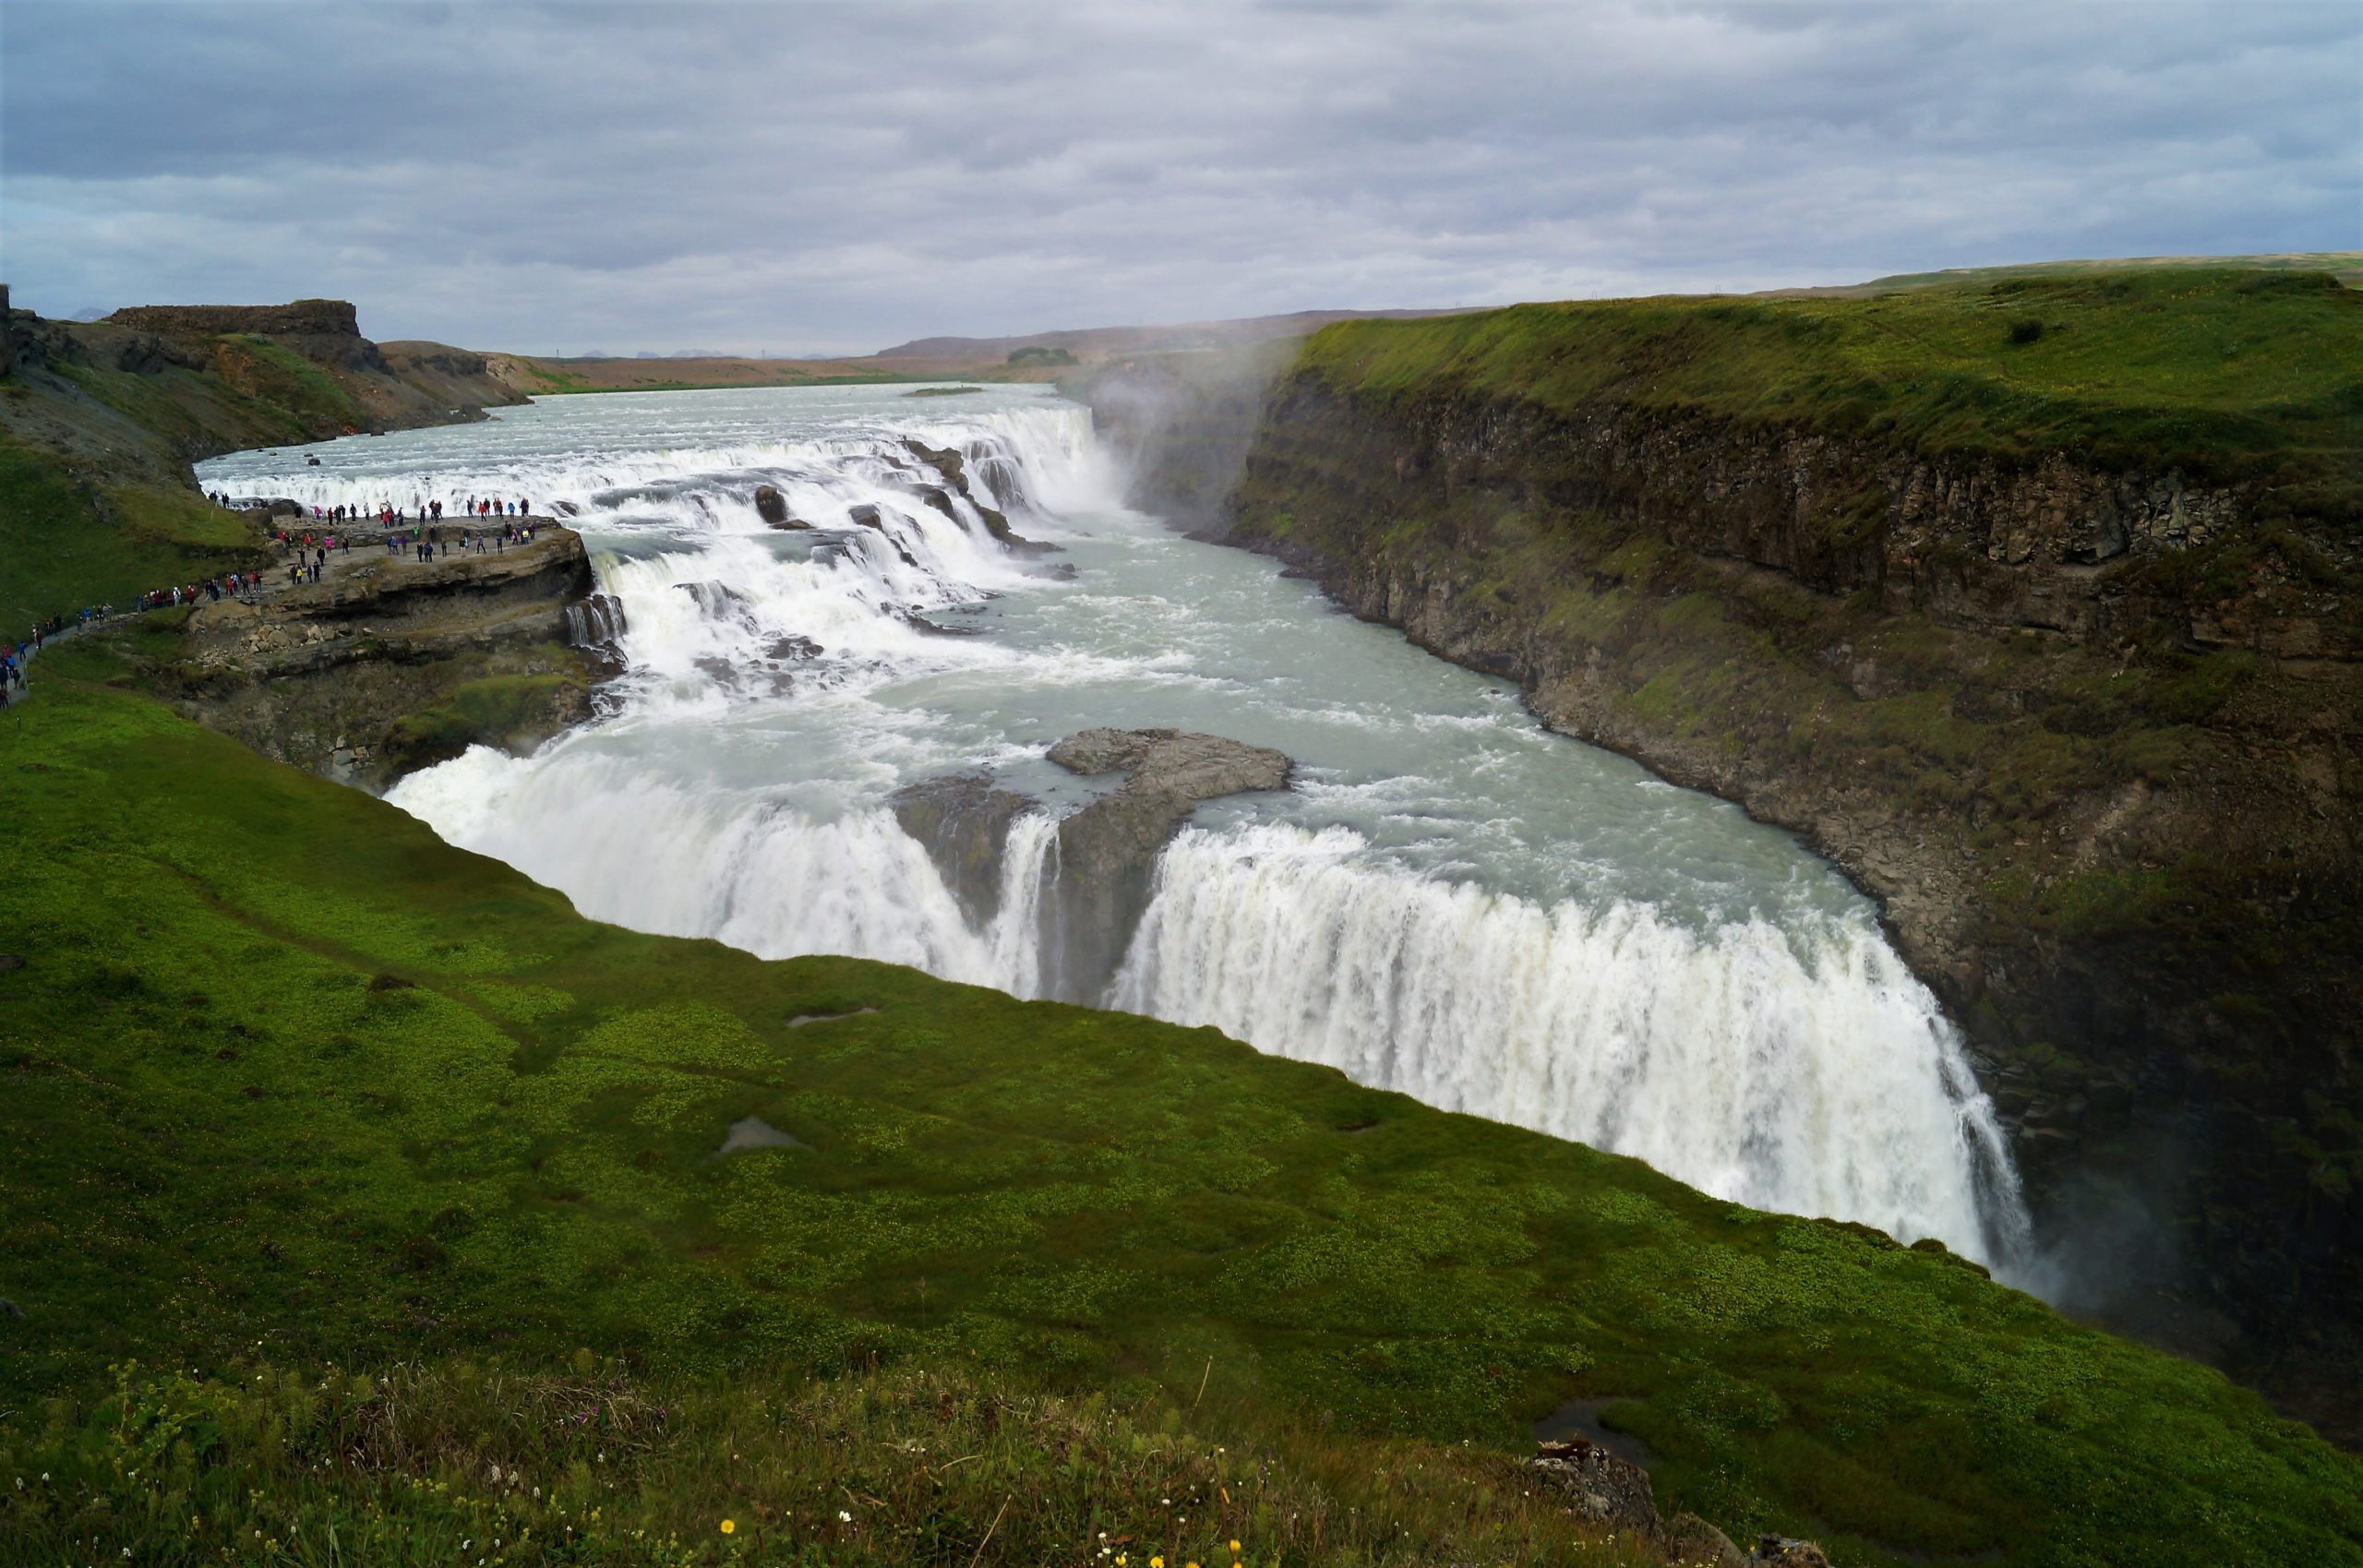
(1108, 850)
(963, 822)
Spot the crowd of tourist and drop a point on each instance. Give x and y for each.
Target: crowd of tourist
(305, 552)
(386, 514)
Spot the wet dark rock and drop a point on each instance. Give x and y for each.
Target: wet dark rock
(953, 468)
(868, 516)
(1598, 1485)
(1108, 849)
(945, 462)
(917, 622)
(1688, 1541)
(963, 822)
(793, 647)
(771, 507)
(1788, 1552)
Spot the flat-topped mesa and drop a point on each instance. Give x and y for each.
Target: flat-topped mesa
(326, 331)
(297, 319)
(1109, 849)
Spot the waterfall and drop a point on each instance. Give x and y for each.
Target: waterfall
(1805, 1070)
(780, 686)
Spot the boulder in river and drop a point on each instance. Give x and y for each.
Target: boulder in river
(954, 467)
(1108, 849)
(868, 516)
(963, 822)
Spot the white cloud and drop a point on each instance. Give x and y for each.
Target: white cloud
(835, 177)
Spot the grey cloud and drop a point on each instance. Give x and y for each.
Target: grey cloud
(836, 177)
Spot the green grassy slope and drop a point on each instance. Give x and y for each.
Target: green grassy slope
(67, 540)
(2231, 375)
(284, 1078)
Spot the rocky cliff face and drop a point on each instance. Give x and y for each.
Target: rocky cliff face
(2089, 733)
(390, 387)
(1107, 849)
(391, 664)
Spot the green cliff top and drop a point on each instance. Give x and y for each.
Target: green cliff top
(2231, 375)
(290, 1082)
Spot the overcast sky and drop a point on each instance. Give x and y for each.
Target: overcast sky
(834, 178)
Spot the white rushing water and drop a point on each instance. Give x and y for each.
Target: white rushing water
(1452, 903)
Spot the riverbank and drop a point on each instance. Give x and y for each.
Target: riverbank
(2046, 636)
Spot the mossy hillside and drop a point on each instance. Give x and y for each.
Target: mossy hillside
(283, 1072)
(491, 709)
(284, 380)
(67, 542)
(2233, 377)
(590, 1463)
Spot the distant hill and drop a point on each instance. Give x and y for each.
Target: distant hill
(2346, 266)
(1094, 342)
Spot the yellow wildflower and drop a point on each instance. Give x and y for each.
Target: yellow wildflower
(728, 1525)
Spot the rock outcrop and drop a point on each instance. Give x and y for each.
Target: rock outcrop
(952, 466)
(963, 820)
(1108, 850)
(1616, 1493)
(391, 664)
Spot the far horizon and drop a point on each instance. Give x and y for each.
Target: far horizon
(862, 176)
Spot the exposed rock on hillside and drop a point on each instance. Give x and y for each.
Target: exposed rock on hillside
(1610, 1491)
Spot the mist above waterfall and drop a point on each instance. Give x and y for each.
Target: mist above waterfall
(1452, 903)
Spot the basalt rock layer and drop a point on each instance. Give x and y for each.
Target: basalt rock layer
(392, 664)
(2089, 726)
(1107, 849)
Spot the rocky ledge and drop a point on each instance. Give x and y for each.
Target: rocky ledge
(1108, 849)
(388, 664)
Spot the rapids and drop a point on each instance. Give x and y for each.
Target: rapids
(1452, 903)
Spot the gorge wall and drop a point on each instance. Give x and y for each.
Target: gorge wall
(2084, 718)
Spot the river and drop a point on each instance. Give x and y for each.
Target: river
(1452, 902)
